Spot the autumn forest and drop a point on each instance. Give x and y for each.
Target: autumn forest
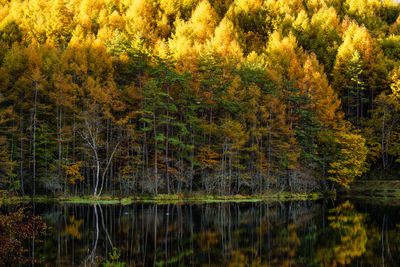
(125, 97)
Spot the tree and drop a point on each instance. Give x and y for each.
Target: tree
(21, 88)
(141, 20)
(354, 97)
(160, 114)
(383, 127)
(59, 23)
(92, 128)
(101, 111)
(359, 46)
(190, 37)
(10, 32)
(225, 41)
(211, 85)
(311, 105)
(252, 23)
(226, 96)
(320, 33)
(349, 162)
(7, 163)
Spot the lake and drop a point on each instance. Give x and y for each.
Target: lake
(294, 233)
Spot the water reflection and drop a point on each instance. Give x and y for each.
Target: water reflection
(19, 228)
(301, 233)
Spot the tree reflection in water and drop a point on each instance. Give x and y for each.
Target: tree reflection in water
(249, 234)
(347, 236)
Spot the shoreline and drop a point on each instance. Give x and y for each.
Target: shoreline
(373, 189)
(165, 199)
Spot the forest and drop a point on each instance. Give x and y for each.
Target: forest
(126, 97)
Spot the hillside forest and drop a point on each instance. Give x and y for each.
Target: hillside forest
(225, 97)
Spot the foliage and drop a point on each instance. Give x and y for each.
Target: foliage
(16, 228)
(227, 97)
(72, 172)
(350, 161)
(114, 256)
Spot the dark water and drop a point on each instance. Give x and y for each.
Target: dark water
(298, 233)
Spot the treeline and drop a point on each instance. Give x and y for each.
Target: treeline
(225, 97)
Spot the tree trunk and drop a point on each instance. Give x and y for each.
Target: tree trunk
(269, 151)
(97, 170)
(34, 139)
(59, 115)
(383, 141)
(167, 144)
(21, 152)
(155, 153)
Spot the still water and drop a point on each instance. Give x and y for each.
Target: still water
(297, 233)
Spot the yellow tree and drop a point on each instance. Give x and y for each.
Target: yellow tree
(382, 129)
(33, 19)
(141, 20)
(47, 21)
(59, 23)
(23, 85)
(319, 34)
(369, 68)
(311, 104)
(349, 162)
(252, 23)
(365, 12)
(237, 127)
(68, 80)
(99, 125)
(225, 41)
(190, 37)
(235, 138)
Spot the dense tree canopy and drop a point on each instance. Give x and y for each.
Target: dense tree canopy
(240, 96)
